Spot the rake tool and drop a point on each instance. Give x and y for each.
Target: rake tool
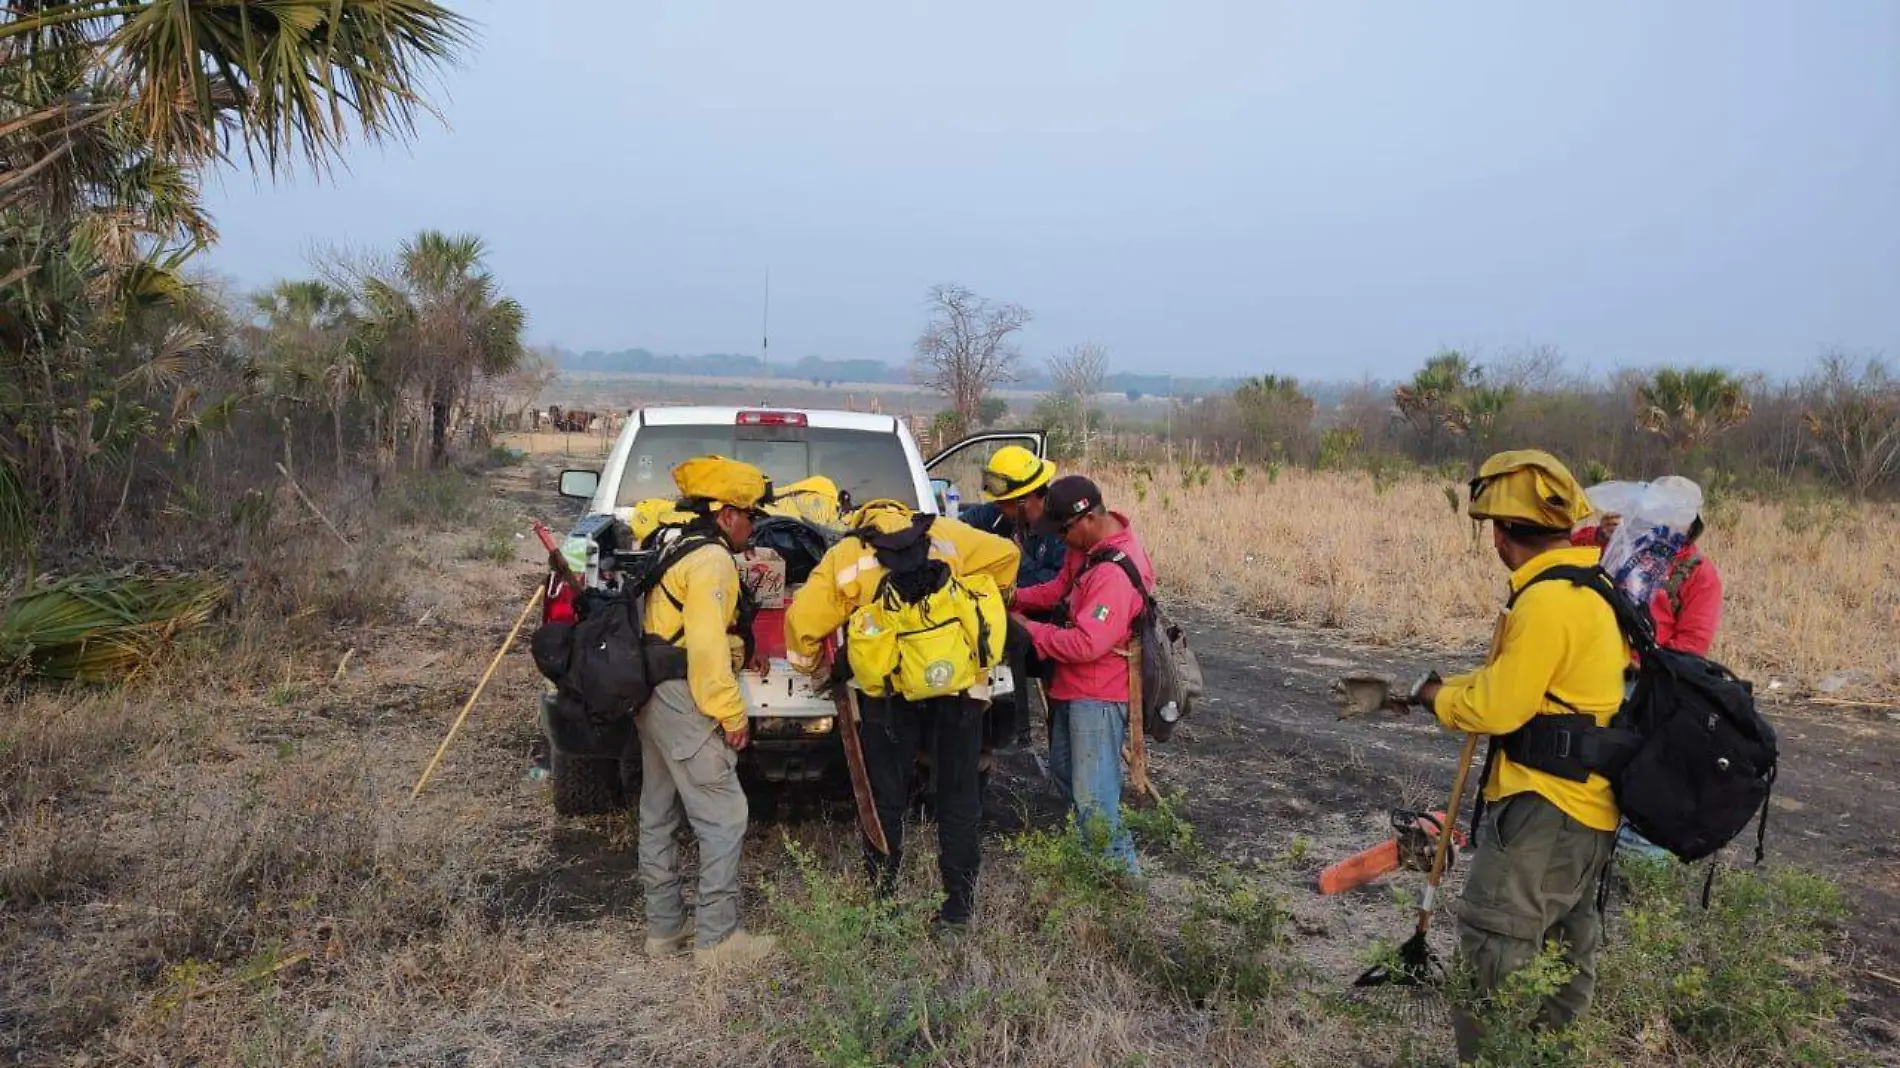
(1415, 963)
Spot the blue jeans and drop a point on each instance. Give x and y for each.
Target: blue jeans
(1628, 838)
(1085, 758)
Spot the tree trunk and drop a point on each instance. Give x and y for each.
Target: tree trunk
(421, 432)
(62, 480)
(336, 430)
(439, 413)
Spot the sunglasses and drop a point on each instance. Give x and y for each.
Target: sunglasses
(1002, 486)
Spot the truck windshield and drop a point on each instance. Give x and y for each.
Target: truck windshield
(867, 464)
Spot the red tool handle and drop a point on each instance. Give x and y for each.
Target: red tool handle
(557, 561)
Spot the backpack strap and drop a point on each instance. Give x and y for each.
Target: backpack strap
(1127, 564)
(655, 576)
(1572, 746)
(1679, 571)
(1634, 623)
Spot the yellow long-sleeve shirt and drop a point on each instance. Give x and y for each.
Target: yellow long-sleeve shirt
(848, 575)
(1559, 640)
(705, 583)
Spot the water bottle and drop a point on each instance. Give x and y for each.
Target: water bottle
(952, 501)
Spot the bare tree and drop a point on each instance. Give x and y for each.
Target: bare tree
(967, 348)
(1533, 369)
(521, 387)
(1077, 373)
(1854, 419)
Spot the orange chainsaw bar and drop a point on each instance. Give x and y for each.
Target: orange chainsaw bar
(1382, 859)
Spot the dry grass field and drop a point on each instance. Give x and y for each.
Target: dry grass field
(222, 866)
(1812, 589)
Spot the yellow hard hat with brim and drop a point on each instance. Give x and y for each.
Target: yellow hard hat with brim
(723, 481)
(1528, 487)
(1013, 472)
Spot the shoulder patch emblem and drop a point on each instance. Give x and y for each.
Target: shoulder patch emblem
(1101, 613)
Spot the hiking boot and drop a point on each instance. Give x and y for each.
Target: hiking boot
(740, 949)
(661, 946)
(947, 932)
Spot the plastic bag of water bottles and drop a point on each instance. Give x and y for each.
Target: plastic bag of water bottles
(1656, 517)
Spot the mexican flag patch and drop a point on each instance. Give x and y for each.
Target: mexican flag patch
(1100, 613)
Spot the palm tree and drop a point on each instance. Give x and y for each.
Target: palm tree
(313, 350)
(1474, 412)
(439, 320)
(108, 110)
(284, 79)
(1275, 413)
(1687, 407)
(1423, 401)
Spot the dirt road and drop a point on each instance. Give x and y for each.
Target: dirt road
(1268, 762)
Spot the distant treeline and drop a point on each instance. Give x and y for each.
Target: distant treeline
(821, 371)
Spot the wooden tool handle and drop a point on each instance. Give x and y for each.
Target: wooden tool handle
(1465, 753)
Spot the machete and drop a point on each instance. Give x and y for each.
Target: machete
(868, 822)
(1136, 752)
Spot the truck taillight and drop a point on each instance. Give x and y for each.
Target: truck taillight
(765, 418)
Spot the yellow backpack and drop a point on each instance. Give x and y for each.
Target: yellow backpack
(940, 644)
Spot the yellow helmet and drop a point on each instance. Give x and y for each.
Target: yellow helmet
(816, 484)
(1014, 471)
(722, 481)
(1528, 486)
(649, 515)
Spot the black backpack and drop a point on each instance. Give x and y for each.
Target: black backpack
(604, 665)
(1170, 672)
(1701, 759)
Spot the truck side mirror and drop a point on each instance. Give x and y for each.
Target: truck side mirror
(579, 484)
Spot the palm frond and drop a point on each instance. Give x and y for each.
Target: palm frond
(102, 627)
(179, 350)
(307, 74)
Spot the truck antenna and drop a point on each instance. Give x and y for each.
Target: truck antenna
(765, 322)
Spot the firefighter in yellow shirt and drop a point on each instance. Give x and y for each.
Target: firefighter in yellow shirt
(1554, 680)
(892, 727)
(693, 727)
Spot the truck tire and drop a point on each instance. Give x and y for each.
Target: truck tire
(585, 786)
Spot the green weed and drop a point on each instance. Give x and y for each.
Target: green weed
(870, 983)
(497, 545)
(1751, 980)
(1164, 828)
(434, 498)
(1510, 1017)
(1218, 941)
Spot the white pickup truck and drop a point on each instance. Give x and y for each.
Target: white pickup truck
(868, 457)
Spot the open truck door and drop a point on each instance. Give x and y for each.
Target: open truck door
(960, 464)
(1014, 703)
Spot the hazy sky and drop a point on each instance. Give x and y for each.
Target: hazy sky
(1322, 188)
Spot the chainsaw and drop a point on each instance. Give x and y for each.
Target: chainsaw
(1414, 839)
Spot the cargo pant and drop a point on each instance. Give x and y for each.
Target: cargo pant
(691, 775)
(1534, 879)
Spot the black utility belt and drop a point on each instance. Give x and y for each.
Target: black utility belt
(665, 662)
(1570, 746)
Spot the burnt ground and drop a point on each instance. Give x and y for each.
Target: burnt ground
(1269, 771)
